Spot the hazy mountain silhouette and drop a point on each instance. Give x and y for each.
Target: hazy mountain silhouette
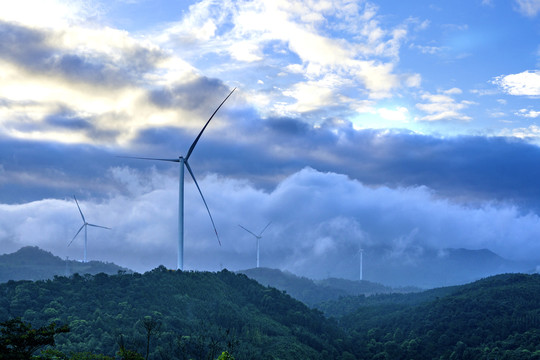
(312, 292)
(33, 263)
(439, 268)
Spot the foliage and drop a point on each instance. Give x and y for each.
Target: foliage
(174, 315)
(18, 340)
(166, 315)
(494, 318)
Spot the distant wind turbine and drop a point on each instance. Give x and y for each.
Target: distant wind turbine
(84, 225)
(183, 161)
(258, 237)
(361, 265)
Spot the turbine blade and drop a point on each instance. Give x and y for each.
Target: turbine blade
(99, 226)
(146, 158)
(198, 136)
(204, 201)
(83, 219)
(265, 228)
(77, 234)
(248, 231)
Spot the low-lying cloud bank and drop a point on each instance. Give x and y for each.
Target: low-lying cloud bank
(319, 223)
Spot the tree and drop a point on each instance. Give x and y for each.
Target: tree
(225, 356)
(126, 354)
(150, 325)
(18, 340)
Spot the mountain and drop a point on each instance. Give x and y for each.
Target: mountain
(493, 318)
(32, 263)
(197, 315)
(194, 315)
(312, 292)
(435, 268)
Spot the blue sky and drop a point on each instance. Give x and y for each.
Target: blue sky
(404, 127)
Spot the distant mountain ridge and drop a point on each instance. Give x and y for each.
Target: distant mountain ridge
(436, 268)
(33, 263)
(313, 292)
(200, 314)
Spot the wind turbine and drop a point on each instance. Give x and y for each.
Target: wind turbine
(183, 161)
(361, 265)
(85, 226)
(258, 237)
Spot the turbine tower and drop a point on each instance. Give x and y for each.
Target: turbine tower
(258, 237)
(85, 226)
(361, 259)
(183, 161)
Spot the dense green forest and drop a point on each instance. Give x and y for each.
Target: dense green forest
(493, 318)
(200, 315)
(197, 315)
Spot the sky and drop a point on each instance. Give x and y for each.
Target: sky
(402, 128)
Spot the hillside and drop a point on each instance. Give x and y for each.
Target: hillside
(32, 263)
(199, 314)
(493, 318)
(313, 292)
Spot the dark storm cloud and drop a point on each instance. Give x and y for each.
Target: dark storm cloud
(34, 170)
(22, 45)
(66, 119)
(35, 51)
(464, 168)
(191, 95)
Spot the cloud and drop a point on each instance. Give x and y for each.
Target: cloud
(443, 107)
(399, 114)
(528, 113)
(344, 41)
(98, 85)
(334, 216)
(526, 83)
(528, 8)
(530, 133)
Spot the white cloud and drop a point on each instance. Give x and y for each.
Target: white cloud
(47, 13)
(526, 83)
(399, 114)
(288, 31)
(443, 107)
(413, 80)
(530, 133)
(528, 113)
(94, 76)
(528, 8)
(314, 95)
(452, 91)
(333, 217)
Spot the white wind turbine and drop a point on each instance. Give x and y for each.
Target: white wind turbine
(85, 226)
(361, 264)
(183, 161)
(258, 237)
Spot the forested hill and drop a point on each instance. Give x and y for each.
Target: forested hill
(32, 263)
(313, 292)
(199, 315)
(493, 318)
